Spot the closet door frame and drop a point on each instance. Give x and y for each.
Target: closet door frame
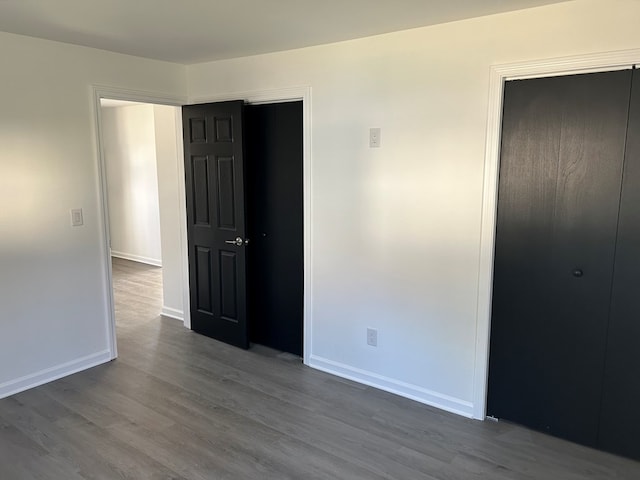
(499, 74)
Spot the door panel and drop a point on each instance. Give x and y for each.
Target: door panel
(620, 420)
(226, 194)
(228, 286)
(559, 188)
(203, 277)
(214, 170)
(275, 205)
(200, 182)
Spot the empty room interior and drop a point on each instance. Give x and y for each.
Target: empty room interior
(319, 240)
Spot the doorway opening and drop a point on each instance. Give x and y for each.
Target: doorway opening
(275, 222)
(301, 94)
(139, 147)
(244, 197)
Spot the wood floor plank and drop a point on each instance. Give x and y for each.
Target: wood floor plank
(177, 405)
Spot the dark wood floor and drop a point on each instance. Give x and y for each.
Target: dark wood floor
(176, 405)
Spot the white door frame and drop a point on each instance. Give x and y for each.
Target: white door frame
(112, 93)
(498, 76)
(257, 97)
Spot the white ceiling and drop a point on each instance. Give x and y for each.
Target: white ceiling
(192, 31)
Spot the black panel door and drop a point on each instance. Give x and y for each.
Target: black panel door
(559, 189)
(620, 421)
(214, 170)
(275, 209)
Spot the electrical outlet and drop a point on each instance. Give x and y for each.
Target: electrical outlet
(372, 337)
(374, 138)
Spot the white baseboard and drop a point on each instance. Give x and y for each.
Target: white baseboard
(49, 374)
(156, 262)
(413, 392)
(172, 313)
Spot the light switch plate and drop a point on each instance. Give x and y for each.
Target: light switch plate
(76, 217)
(374, 137)
(372, 337)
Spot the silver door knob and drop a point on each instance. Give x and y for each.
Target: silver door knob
(238, 242)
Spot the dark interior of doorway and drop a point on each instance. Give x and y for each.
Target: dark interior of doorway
(274, 207)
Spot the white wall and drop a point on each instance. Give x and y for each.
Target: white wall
(170, 179)
(396, 230)
(53, 311)
(129, 141)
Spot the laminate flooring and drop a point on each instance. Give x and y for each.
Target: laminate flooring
(177, 405)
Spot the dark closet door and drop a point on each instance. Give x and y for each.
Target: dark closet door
(620, 421)
(275, 209)
(214, 169)
(559, 189)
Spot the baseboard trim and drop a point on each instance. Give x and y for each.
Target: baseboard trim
(54, 373)
(407, 390)
(156, 262)
(172, 313)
